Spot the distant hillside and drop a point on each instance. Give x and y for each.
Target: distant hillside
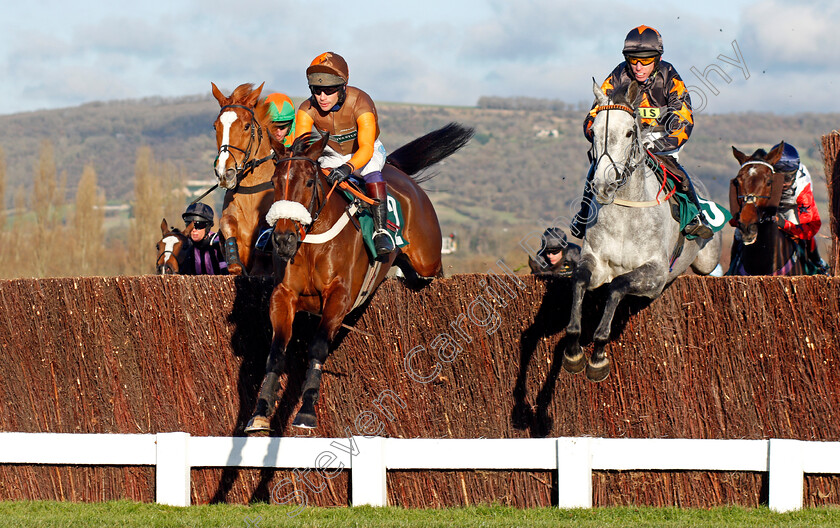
(526, 162)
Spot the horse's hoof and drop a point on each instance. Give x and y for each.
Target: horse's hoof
(598, 370)
(574, 363)
(305, 421)
(257, 424)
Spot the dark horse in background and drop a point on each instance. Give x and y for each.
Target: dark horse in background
(754, 197)
(321, 263)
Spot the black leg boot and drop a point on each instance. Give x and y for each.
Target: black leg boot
(382, 240)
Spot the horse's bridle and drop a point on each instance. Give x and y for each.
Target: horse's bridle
(314, 203)
(167, 253)
(632, 161)
(248, 164)
(744, 199)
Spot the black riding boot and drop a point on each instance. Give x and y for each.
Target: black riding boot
(582, 218)
(698, 226)
(814, 256)
(382, 240)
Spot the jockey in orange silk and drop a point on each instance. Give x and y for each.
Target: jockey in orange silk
(349, 116)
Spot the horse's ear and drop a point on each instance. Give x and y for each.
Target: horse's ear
(219, 95)
(164, 227)
(189, 229)
(254, 96)
(314, 150)
(600, 97)
(776, 154)
(740, 156)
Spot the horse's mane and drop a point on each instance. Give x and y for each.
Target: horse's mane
(627, 96)
(759, 154)
(241, 94)
(303, 142)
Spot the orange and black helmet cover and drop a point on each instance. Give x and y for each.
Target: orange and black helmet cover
(642, 42)
(328, 69)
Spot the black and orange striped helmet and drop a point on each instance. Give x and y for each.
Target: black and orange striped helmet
(642, 42)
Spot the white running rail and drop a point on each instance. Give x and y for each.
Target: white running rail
(369, 459)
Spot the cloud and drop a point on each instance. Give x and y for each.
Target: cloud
(793, 35)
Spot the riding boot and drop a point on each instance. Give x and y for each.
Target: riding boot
(582, 218)
(814, 256)
(383, 242)
(698, 226)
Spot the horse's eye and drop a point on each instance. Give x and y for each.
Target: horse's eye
(310, 183)
(629, 133)
(248, 126)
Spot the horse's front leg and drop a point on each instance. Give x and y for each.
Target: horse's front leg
(573, 360)
(282, 314)
(336, 305)
(647, 280)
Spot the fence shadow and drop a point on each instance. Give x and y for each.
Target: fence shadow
(551, 319)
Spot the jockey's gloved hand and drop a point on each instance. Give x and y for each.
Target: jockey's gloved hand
(780, 220)
(339, 174)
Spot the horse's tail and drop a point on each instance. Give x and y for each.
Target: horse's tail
(427, 150)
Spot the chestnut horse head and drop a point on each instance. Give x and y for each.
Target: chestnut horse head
(172, 248)
(241, 132)
(756, 190)
(242, 137)
(299, 191)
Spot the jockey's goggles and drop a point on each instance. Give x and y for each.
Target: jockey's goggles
(329, 90)
(645, 61)
(283, 124)
(201, 225)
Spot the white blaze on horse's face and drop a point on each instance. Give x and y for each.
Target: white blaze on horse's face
(168, 247)
(227, 179)
(612, 149)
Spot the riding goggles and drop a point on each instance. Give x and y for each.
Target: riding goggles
(329, 90)
(201, 225)
(645, 61)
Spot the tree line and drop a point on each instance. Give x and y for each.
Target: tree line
(46, 235)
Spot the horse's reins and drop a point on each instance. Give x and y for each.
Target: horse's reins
(629, 168)
(248, 164)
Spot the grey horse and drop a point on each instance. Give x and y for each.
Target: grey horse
(631, 242)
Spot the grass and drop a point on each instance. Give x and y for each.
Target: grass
(125, 514)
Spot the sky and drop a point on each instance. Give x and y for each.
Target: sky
(738, 55)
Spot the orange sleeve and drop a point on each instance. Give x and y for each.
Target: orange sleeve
(366, 124)
(303, 123)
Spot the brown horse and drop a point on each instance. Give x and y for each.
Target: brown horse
(754, 199)
(172, 248)
(242, 139)
(324, 268)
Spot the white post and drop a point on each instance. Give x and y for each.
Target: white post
(574, 472)
(172, 472)
(368, 475)
(786, 475)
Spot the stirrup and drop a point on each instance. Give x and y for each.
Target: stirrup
(383, 247)
(698, 227)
